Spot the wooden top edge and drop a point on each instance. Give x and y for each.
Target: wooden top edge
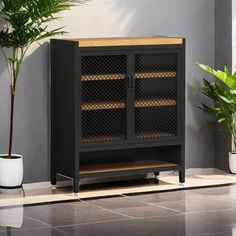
(126, 41)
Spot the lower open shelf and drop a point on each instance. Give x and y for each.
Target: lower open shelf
(124, 166)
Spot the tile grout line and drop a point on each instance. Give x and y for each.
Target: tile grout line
(152, 204)
(37, 220)
(88, 223)
(54, 227)
(90, 204)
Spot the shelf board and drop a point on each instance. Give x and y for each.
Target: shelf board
(124, 166)
(143, 135)
(102, 138)
(91, 106)
(120, 76)
(154, 102)
(98, 77)
(102, 105)
(127, 41)
(162, 74)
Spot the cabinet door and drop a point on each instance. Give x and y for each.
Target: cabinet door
(156, 95)
(104, 98)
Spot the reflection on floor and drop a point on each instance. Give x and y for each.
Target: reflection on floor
(114, 188)
(208, 211)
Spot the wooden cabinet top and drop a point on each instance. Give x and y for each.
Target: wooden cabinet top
(126, 41)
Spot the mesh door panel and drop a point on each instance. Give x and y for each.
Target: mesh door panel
(156, 122)
(155, 95)
(104, 98)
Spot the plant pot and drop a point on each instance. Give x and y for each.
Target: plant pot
(232, 162)
(11, 171)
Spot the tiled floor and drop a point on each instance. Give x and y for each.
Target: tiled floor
(208, 211)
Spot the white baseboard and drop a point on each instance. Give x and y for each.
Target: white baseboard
(65, 183)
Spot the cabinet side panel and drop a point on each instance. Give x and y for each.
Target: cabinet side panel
(63, 122)
(183, 101)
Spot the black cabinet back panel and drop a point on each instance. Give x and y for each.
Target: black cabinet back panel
(156, 88)
(162, 120)
(100, 123)
(156, 62)
(105, 64)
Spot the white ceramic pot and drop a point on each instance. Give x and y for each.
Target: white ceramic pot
(232, 162)
(11, 171)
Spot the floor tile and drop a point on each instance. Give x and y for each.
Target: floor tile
(160, 197)
(69, 214)
(194, 203)
(132, 208)
(125, 228)
(116, 203)
(189, 225)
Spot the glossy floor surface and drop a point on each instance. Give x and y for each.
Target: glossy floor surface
(208, 211)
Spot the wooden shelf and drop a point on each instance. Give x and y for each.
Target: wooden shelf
(124, 166)
(162, 74)
(154, 102)
(139, 75)
(102, 138)
(98, 77)
(91, 106)
(144, 135)
(102, 105)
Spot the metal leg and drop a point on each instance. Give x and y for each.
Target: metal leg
(156, 175)
(181, 178)
(76, 174)
(76, 185)
(53, 180)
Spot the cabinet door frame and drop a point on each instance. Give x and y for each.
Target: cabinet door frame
(179, 87)
(81, 54)
(130, 52)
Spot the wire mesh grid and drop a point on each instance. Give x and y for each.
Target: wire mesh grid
(103, 98)
(155, 95)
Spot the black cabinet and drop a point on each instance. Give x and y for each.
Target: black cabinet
(118, 107)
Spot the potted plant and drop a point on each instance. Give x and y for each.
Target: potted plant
(222, 92)
(24, 23)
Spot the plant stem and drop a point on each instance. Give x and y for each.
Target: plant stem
(11, 122)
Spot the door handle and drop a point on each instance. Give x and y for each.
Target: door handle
(130, 83)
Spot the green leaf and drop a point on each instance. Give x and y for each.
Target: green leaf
(224, 76)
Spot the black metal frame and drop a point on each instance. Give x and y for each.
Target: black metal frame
(66, 144)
